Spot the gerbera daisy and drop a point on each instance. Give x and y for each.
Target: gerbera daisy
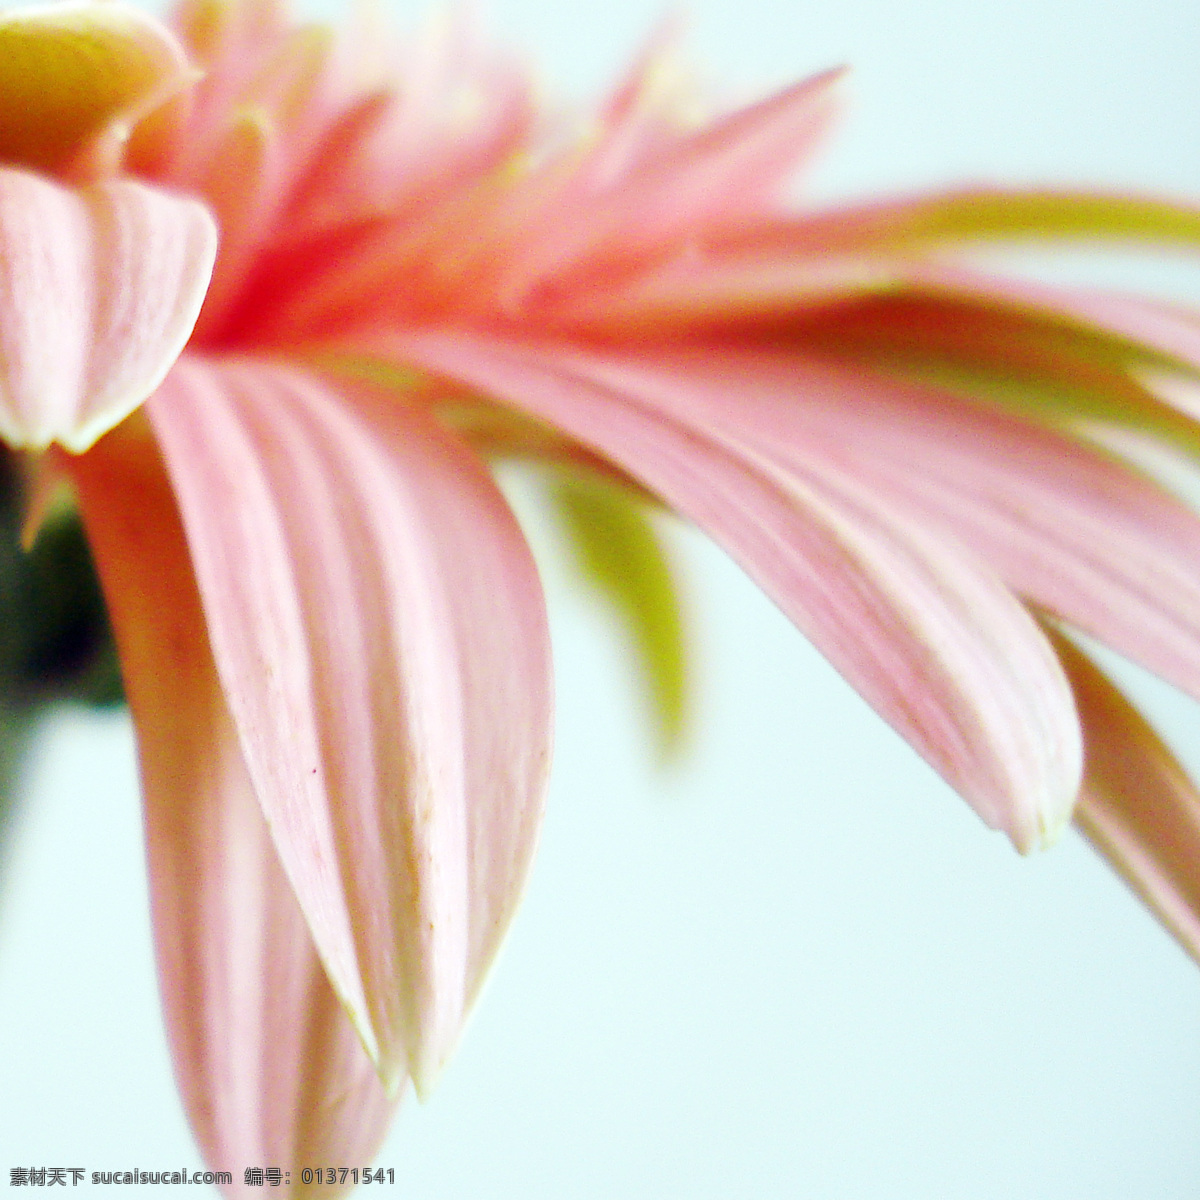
(331, 630)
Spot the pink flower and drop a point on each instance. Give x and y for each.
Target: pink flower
(331, 630)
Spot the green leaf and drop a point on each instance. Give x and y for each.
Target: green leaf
(619, 554)
(993, 214)
(16, 733)
(55, 640)
(1032, 362)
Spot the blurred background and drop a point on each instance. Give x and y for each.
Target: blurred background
(793, 964)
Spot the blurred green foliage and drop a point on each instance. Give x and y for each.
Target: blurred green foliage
(55, 640)
(619, 554)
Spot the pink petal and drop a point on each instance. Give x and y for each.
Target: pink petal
(386, 154)
(270, 1068)
(696, 289)
(645, 111)
(932, 640)
(725, 171)
(378, 628)
(355, 220)
(99, 290)
(458, 110)
(1074, 530)
(1137, 806)
(255, 124)
(523, 231)
(778, 265)
(296, 135)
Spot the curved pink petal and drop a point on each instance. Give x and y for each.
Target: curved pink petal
(297, 135)
(387, 155)
(778, 265)
(247, 155)
(270, 1068)
(642, 113)
(1076, 531)
(696, 289)
(378, 628)
(543, 223)
(728, 170)
(99, 290)
(932, 640)
(456, 109)
(1137, 805)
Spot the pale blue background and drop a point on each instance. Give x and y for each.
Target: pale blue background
(797, 965)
